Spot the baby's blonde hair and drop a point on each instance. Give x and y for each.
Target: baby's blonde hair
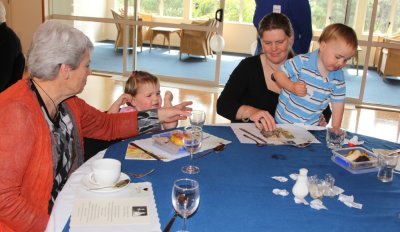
(138, 78)
(339, 30)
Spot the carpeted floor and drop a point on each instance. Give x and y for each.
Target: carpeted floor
(159, 61)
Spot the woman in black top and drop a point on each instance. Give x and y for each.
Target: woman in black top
(251, 93)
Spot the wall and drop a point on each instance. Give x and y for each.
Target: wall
(239, 37)
(25, 17)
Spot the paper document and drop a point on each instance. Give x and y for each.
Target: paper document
(110, 211)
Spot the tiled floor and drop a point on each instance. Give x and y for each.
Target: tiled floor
(100, 92)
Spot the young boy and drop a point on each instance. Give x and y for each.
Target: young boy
(310, 81)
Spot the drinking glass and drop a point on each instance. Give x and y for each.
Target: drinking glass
(386, 165)
(335, 137)
(185, 198)
(192, 137)
(197, 118)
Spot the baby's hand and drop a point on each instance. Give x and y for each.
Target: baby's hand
(124, 98)
(300, 89)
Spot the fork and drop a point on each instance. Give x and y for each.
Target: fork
(140, 175)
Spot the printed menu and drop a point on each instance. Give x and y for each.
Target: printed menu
(109, 211)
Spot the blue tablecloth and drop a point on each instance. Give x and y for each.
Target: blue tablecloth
(236, 188)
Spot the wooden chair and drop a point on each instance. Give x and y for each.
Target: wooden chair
(389, 58)
(121, 32)
(144, 34)
(197, 42)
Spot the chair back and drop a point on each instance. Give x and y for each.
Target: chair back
(116, 16)
(147, 34)
(121, 32)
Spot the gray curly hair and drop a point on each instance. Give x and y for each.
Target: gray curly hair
(54, 44)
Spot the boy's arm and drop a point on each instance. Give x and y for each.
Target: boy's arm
(337, 114)
(298, 88)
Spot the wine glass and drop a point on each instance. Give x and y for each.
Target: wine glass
(197, 118)
(185, 198)
(192, 137)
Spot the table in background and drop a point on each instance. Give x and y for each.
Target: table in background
(166, 32)
(236, 188)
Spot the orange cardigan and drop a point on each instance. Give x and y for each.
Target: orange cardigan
(26, 166)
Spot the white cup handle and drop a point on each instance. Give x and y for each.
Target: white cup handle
(92, 179)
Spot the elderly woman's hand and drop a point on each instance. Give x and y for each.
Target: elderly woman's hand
(263, 120)
(174, 113)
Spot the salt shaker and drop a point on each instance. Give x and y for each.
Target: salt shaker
(300, 188)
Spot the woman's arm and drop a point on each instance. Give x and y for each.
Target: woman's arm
(20, 140)
(232, 95)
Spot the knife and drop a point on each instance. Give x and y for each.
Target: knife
(255, 136)
(145, 151)
(216, 149)
(171, 221)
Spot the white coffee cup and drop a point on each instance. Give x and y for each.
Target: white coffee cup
(105, 172)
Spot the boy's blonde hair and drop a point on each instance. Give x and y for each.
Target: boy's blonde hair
(138, 78)
(339, 30)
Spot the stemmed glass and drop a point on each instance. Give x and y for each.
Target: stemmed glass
(192, 137)
(185, 198)
(197, 118)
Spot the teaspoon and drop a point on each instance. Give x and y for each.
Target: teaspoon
(257, 143)
(119, 184)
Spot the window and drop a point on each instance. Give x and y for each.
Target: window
(325, 12)
(387, 20)
(169, 8)
(204, 9)
(240, 11)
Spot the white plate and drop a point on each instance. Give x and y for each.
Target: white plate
(88, 184)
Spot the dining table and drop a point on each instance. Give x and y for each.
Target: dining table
(236, 188)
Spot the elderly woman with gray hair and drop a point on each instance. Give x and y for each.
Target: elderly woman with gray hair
(43, 124)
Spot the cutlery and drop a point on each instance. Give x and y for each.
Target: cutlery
(145, 151)
(300, 145)
(257, 143)
(255, 136)
(119, 184)
(216, 149)
(140, 175)
(395, 152)
(170, 223)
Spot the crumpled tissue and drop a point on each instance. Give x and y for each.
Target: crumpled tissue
(317, 204)
(294, 176)
(280, 178)
(331, 192)
(300, 201)
(282, 192)
(349, 201)
(353, 141)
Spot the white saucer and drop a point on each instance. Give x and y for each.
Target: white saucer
(88, 184)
